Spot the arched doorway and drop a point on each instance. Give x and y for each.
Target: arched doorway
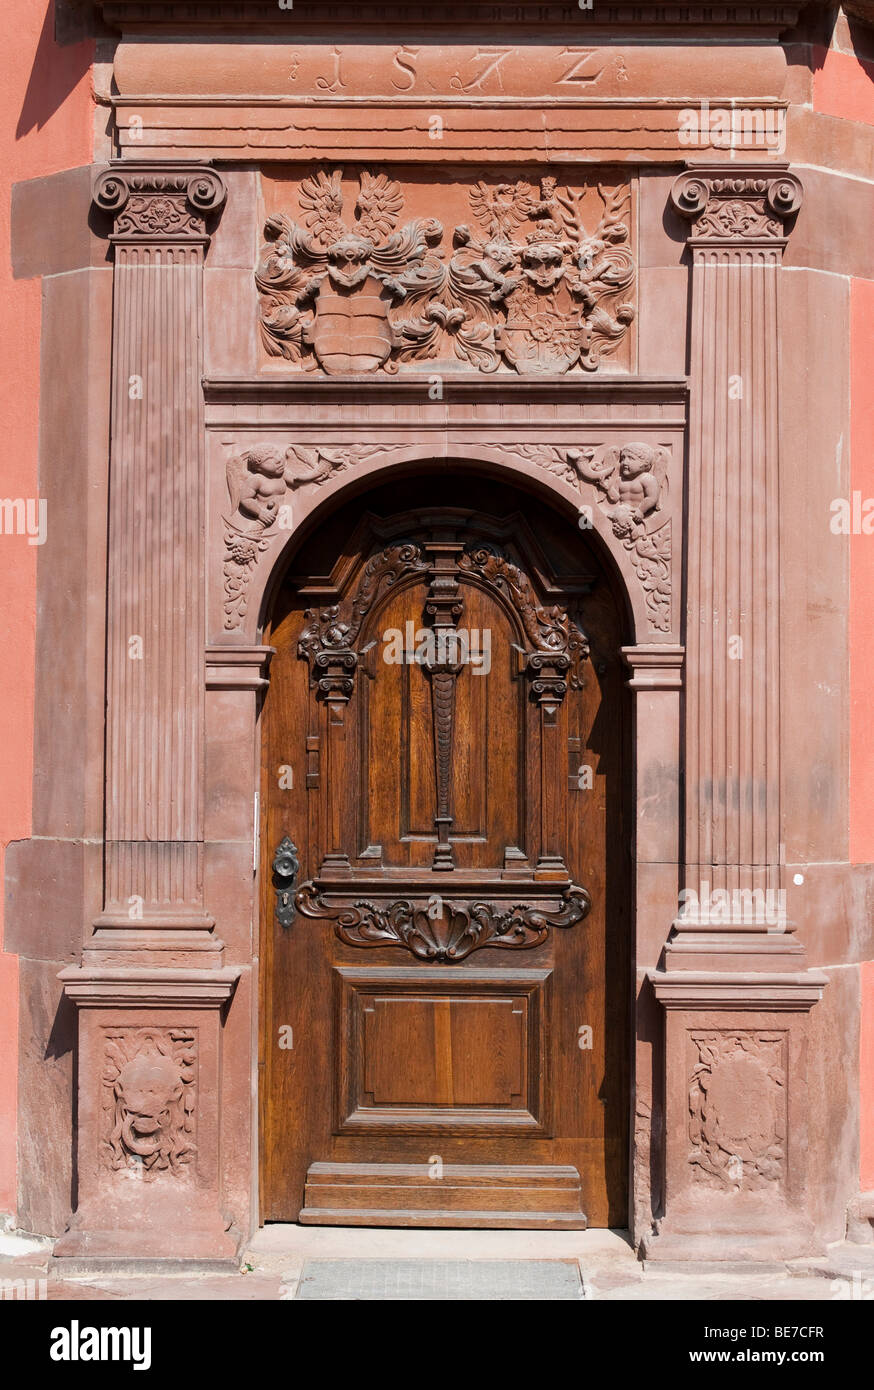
(446, 868)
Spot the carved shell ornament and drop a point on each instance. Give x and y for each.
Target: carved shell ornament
(444, 933)
(526, 288)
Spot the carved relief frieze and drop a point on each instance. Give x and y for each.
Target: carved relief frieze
(630, 482)
(738, 1109)
(149, 1085)
(528, 287)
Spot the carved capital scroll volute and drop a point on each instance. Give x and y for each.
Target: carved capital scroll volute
(746, 205)
(150, 203)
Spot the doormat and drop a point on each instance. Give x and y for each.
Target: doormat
(440, 1280)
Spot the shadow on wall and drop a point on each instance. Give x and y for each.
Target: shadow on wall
(55, 73)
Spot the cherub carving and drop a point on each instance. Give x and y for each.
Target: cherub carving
(333, 287)
(257, 485)
(632, 479)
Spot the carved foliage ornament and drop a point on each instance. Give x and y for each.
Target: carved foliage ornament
(159, 203)
(441, 932)
(528, 287)
(751, 206)
(737, 1109)
(149, 1084)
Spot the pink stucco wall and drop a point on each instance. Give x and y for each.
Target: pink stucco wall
(862, 675)
(46, 123)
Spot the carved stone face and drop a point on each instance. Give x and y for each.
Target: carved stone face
(146, 1090)
(634, 460)
(543, 264)
(348, 260)
(268, 462)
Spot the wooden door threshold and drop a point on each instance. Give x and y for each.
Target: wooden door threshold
(476, 1196)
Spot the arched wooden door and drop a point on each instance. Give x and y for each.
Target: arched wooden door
(446, 864)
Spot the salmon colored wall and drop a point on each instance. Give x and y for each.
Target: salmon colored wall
(843, 86)
(862, 674)
(46, 125)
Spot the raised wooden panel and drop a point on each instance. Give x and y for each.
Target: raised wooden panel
(471, 1048)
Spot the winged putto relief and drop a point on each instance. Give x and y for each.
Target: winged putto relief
(525, 287)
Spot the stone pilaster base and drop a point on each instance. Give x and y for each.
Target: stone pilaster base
(736, 1116)
(148, 1115)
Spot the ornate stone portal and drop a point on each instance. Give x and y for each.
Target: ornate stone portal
(381, 332)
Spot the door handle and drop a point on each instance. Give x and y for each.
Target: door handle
(286, 867)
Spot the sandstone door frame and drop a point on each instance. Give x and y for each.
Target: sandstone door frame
(159, 992)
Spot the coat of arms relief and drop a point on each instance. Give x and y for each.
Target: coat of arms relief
(530, 284)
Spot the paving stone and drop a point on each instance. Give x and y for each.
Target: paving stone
(440, 1280)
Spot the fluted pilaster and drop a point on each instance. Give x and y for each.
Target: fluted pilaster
(155, 625)
(732, 724)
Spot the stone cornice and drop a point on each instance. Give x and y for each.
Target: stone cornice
(461, 386)
(166, 203)
(314, 15)
(746, 205)
(728, 991)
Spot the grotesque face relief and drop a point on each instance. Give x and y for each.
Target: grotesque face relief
(543, 262)
(348, 260)
(150, 1119)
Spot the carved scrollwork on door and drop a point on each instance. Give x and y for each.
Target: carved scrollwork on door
(448, 572)
(443, 932)
(328, 640)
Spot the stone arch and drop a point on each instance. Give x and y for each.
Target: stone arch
(567, 501)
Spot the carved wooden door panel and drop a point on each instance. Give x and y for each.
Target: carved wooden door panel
(442, 1044)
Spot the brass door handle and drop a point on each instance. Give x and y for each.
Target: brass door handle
(286, 867)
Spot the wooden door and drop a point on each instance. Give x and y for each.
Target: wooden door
(445, 871)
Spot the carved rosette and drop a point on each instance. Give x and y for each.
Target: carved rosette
(441, 932)
(752, 205)
(149, 1088)
(738, 1109)
(159, 202)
